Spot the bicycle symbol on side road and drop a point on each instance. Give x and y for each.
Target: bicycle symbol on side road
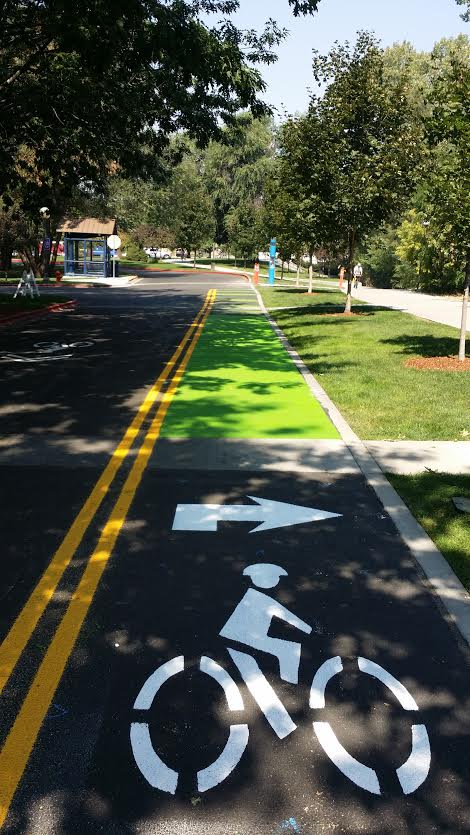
(47, 351)
(249, 624)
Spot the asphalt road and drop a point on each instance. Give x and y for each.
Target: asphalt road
(124, 750)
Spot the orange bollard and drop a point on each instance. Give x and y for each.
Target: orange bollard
(256, 273)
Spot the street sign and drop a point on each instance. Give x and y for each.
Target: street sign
(114, 241)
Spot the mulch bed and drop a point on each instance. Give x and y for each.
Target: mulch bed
(438, 364)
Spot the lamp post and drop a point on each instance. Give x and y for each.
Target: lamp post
(46, 239)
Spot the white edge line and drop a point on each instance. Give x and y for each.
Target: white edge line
(442, 580)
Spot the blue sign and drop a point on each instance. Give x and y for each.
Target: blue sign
(272, 261)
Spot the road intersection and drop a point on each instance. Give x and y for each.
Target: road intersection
(168, 624)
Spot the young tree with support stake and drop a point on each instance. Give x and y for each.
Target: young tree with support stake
(294, 208)
(448, 184)
(370, 145)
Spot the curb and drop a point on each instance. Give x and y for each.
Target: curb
(442, 581)
(56, 307)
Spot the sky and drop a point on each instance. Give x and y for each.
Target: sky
(422, 22)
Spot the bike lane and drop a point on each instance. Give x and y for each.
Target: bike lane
(167, 593)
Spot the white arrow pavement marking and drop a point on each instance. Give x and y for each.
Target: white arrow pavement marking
(205, 517)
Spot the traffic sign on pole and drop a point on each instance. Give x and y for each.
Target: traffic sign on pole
(114, 242)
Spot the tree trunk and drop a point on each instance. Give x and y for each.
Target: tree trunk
(351, 250)
(31, 261)
(54, 252)
(5, 257)
(463, 327)
(310, 274)
(282, 268)
(194, 261)
(297, 282)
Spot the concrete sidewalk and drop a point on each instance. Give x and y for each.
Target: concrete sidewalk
(441, 309)
(408, 457)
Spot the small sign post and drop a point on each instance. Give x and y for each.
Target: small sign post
(272, 261)
(114, 242)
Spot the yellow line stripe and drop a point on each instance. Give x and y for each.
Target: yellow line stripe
(23, 627)
(21, 739)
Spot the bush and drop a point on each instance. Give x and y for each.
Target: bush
(134, 252)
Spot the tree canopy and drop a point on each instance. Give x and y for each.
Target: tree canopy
(107, 84)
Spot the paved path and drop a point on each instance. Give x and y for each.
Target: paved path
(436, 308)
(158, 674)
(416, 456)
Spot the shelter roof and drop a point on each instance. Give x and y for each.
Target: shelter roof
(89, 225)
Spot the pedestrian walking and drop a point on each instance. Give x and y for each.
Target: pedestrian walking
(342, 274)
(357, 276)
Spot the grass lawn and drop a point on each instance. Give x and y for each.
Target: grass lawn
(429, 497)
(360, 363)
(162, 266)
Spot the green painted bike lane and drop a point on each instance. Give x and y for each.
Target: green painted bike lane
(241, 383)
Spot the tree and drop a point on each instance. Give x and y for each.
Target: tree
(237, 168)
(370, 143)
(97, 90)
(244, 227)
(295, 204)
(466, 13)
(192, 218)
(448, 184)
(379, 258)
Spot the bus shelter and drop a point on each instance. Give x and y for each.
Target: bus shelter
(86, 252)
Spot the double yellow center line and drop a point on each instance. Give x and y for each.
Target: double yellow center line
(23, 734)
